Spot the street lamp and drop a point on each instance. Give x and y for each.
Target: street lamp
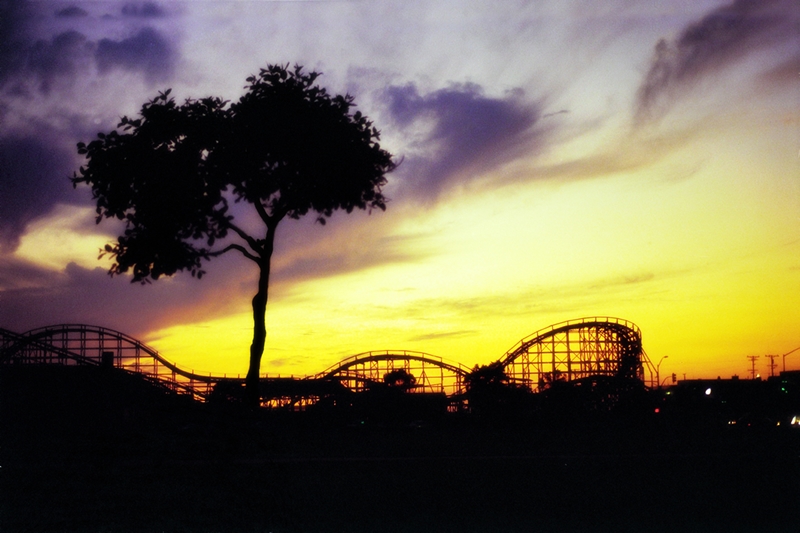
(658, 371)
(784, 357)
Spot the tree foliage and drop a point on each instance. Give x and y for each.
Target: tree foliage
(400, 379)
(155, 177)
(491, 391)
(287, 147)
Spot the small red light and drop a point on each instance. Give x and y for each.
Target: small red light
(658, 410)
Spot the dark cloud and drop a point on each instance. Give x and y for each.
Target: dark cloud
(17, 275)
(37, 297)
(723, 37)
(71, 12)
(145, 10)
(14, 20)
(27, 60)
(34, 170)
(33, 176)
(462, 130)
(60, 59)
(147, 51)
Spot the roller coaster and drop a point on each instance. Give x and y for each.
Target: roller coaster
(578, 349)
(565, 352)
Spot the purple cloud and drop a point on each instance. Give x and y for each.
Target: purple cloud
(33, 170)
(59, 59)
(33, 176)
(721, 38)
(71, 12)
(784, 73)
(465, 129)
(145, 10)
(27, 60)
(147, 51)
(14, 17)
(34, 297)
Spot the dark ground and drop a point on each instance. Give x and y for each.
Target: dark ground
(84, 452)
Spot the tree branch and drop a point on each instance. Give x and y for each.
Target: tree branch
(270, 220)
(253, 243)
(262, 212)
(238, 248)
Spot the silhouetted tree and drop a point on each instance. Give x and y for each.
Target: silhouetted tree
(400, 379)
(548, 380)
(487, 376)
(286, 147)
(491, 391)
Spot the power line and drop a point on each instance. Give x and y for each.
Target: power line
(772, 364)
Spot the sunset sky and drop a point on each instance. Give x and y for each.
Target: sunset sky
(560, 159)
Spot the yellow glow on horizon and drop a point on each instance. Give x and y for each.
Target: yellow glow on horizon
(692, 293)
(699, 249)
(217, 347)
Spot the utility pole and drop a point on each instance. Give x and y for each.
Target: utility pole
(753, 359)
(772, 364)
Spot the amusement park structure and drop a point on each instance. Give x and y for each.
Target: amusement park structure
(565, 352)
(578, 349)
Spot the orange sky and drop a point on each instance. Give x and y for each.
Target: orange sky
(558, 163)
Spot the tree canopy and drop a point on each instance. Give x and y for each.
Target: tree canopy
(287, 147)
(400, 379)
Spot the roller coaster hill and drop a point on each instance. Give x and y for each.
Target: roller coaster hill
(594, 364)
(596, 361)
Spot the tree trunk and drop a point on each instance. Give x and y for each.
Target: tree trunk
(252, 381)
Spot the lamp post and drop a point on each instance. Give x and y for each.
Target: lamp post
(784, 357)
(658, 371)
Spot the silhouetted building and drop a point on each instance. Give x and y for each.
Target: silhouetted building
(733, 402)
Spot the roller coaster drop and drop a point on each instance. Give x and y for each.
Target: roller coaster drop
(569, 351)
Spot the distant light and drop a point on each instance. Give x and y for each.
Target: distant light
(658, 410)
(708, 391)
(795, 421)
